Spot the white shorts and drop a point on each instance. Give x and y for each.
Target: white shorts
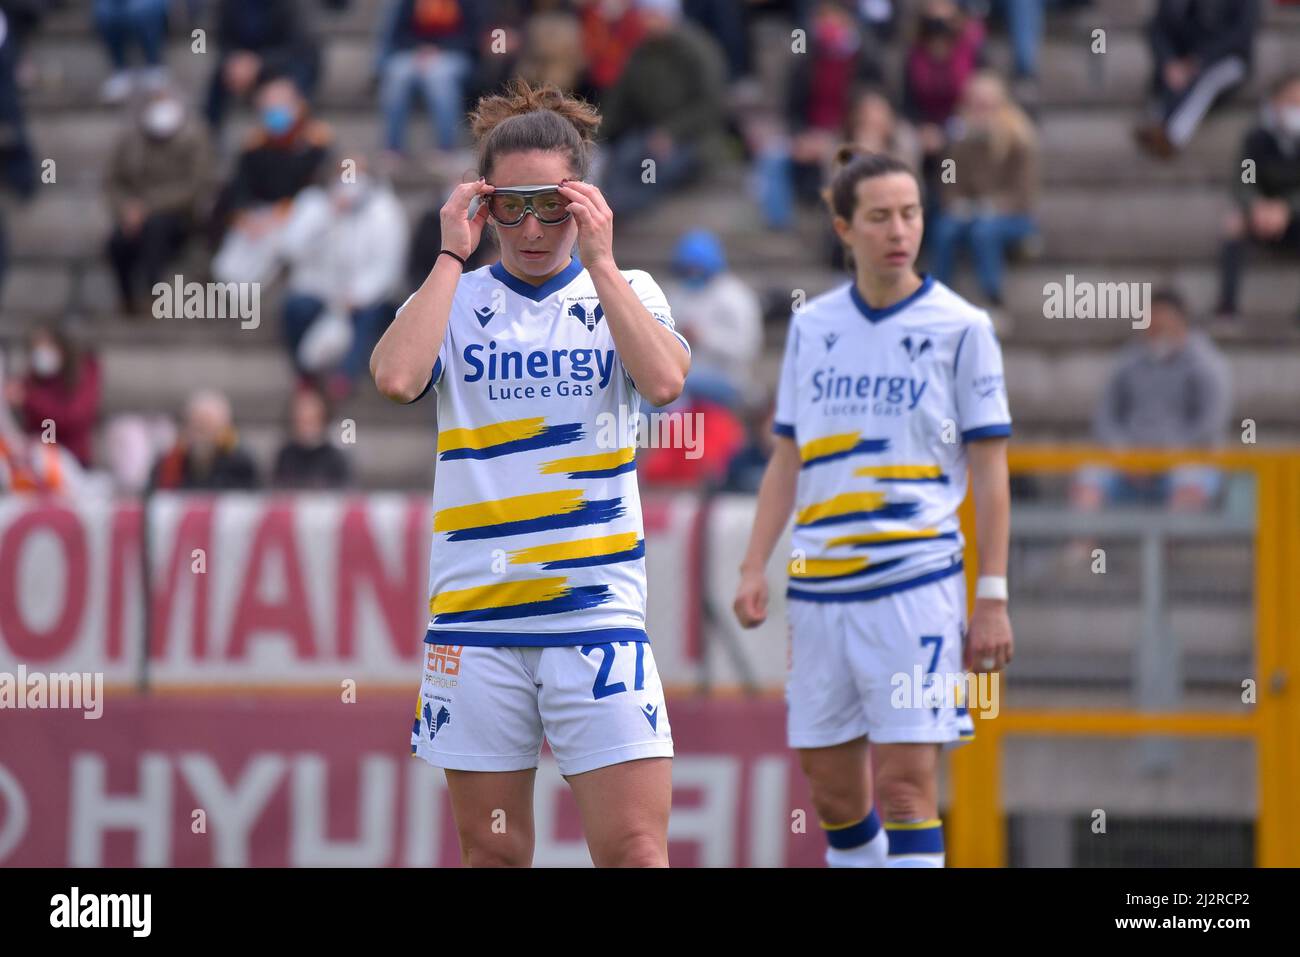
(877, 667)
(486, 708)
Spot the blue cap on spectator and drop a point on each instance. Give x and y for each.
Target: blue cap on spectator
(699, 254)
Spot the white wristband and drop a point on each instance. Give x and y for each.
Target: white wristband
(991, 586)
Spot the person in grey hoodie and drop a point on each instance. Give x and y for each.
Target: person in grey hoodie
(1171, 390)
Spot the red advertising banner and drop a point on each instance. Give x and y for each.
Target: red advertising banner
(310, 780)
(303, 590)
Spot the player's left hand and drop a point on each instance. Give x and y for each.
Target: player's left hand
(988, 639)
(595, 222)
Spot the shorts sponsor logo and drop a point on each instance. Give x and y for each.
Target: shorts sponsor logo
(651, 712)
(436, 721)
(442, 665)
(445, 659)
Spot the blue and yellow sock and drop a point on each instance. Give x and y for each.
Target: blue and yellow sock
(915, 843)
(856, 844)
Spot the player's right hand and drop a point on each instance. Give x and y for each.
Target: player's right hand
(460, 232)
(751, 599)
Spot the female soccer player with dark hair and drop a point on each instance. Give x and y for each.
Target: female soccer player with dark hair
(891, 389)
(537, 579)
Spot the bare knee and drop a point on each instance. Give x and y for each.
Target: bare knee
(837, 798)
(495, 850)
(633, 849)
(906, 797)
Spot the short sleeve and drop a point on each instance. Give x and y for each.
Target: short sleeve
(981, 392)
(786, 406)
(653, 298)
(439, 364)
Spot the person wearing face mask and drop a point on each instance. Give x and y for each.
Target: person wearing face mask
(62, 386)
(257, 39)
(156, 182)
(346, 249)
(207, 454)
(1267, 210)
(284, 154)
(1172, 389)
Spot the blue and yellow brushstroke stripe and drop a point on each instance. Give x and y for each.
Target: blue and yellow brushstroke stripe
(852, 507)
(600, 465)
(583, 553)
(902, 473)
(886, 539)
(516, 599)
(836, 569)
(505, 438)
(831, 448)
(521, 514)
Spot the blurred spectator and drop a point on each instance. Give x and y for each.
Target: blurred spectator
(719, 315)
(553, 53)
(1202, 51)
(611, 30)
(429, 47)
(30, 466)
(820, 96)
(873, 125)
(284, 155)
(308, 460)
(17, 163)
(207, 454)
(62, 386)
(940, 62)
(946, 52)
(667, 106)
(1268, 209)
(725, 22)
(1171, 390)
(126, 23)
(132, 443)
(157, 176)
(346, 249)
(990, 206)
(746, 468)
(257, 39)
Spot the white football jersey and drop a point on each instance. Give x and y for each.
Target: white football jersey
(881, 403)
(537, 534)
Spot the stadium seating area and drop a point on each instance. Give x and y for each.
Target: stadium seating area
(1107, 212)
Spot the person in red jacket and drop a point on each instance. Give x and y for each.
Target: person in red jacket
(62, 386)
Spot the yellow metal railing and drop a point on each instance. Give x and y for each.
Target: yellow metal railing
(976, 824)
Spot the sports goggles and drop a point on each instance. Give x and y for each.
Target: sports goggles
(508, 205)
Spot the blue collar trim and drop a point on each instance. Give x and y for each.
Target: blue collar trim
(537, 293)
(875, 315)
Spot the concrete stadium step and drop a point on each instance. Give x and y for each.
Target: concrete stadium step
(1065, 386)
(1108, 628)
(1269, 305)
